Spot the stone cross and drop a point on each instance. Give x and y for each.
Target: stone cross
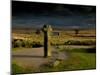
(47, 38)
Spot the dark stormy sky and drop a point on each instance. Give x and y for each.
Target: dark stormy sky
(35, 14)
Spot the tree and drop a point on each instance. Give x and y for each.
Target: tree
(38, 31)
(76, 31)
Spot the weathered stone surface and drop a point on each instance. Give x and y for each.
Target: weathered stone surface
(47, 38)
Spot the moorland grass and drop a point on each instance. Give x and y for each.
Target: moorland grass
(78, 59)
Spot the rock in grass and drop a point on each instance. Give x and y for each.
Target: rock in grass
(57, 62)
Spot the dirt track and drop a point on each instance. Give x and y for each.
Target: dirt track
(33, 57)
